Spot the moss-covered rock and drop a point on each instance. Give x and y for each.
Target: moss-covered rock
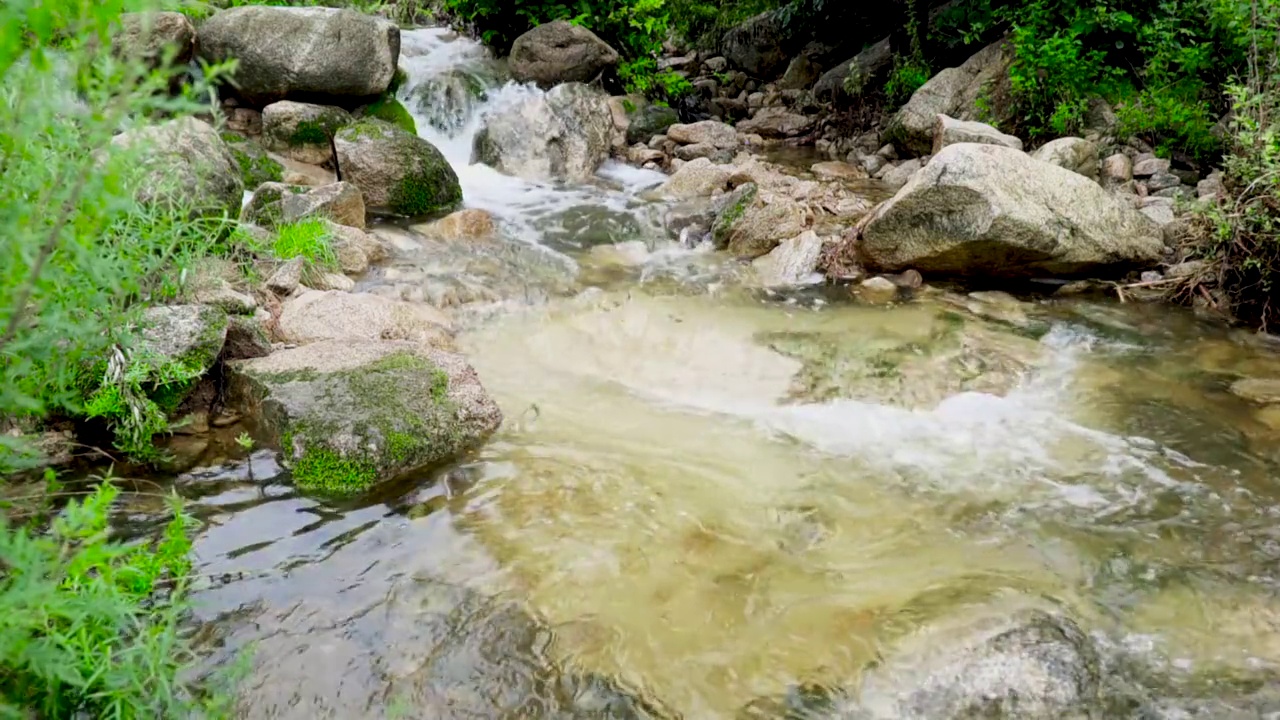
(186, 163)
(396, 170)
(256, 166)
(302, 131)
(391, 110)
(350, 414)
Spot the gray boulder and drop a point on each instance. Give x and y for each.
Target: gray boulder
(188, 335)
(954, 92)
(153, 36)
(560, 52)
(315, 315)
(791, 263)
(760, 46)
(801, 74)
(1075, 154)
(697, 178)
(186, 163)
(349, 414)
(256, 165)
(751, 222)
(303, 52)
(341, 202)
(264, 206)
(866, 67)
(991, 211)
(704, 132)
(396, 170)
(949, 131)
(776, 122)
(562, 135)
(649, 120)
(303, 131)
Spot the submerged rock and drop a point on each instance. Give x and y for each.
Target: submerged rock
(303, 131)
(303, 53)
(352, 413)
(396, 170)
(560, 52)
(989, 211)
(562, 135)
(186, 162)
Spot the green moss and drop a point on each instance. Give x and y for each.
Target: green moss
(390, 109)
(397, 81)
(309, 132)
(320, 469)
(418, 194)
(367, 128)
(732, 213)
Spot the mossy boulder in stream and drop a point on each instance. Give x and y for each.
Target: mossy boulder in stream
(396, 170)
(391, 110)
(350, 414)
(302, 131)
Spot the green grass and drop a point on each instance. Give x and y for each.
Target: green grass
(310, 239)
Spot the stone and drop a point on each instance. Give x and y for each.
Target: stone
(639, 155)
(469, 224)
(898, 176)
(1117, 169)
(153, 37)
(1264, 391)
(246, 121)
(991, 211)
(315, 315)
(560, 52)
(340, 202)
(949, 131)
(1162, 181)
(867, 67)
(186, 162)
(1211, 187)
(303, 52)
(792, 262)
(952, 92)
(697, 178)
(564, 134)
(873, 164)
(717, 64)
(303, 131)
(706, 132)
(355, 248)
(246, 339)
(1028, 664)
(191, 336)
(396, 170)
(1186, 269)
(1099, 117)
(801, 74)
(1148, 165)
(836, 170)
(287, 277)
(221, 295)
(351, 413)
(758, 45)
(1075, 154)
(878, 290)
(649, 120)
(333, 281)
(755, 223)
(776, 122)
(693, 152)
(263, 209)
(1159, 210)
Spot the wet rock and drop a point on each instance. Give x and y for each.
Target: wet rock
(793, 262)
(246, 339)
(396, 170)
(190, 335)
(1030, 665)
(352, 413)
(649, 120)
(287, 277)
(303, 131)
(560, 52)
(154, 36)
(949, 131)
(1117, 169)
(562, 135)
(1075, 154)
(897, 176)
(314, 315)
(755, 223)
(340, 202)
(1259, 390)
(989, 211)
(186, 162)
(697, 178)
(776, 122)
(867, 67)
(951, 92)
(294, 52)
(256, 166)
(706, 132)
(699, 150)
(641, 155)
(836, 170)
(469, 224)
(878, 290)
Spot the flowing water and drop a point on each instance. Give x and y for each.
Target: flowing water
(706, 494)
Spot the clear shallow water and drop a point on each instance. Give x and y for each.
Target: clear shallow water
(704, 495)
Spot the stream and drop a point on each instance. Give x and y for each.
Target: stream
(706, 494)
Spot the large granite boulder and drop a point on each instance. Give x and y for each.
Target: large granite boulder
(560, 52)
(563, 134)
(186, 163)
(991, 211)
(352, 413)
(1075, 154)
(396, 170)
(949, 131)
(955, 92)
(304, 53)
